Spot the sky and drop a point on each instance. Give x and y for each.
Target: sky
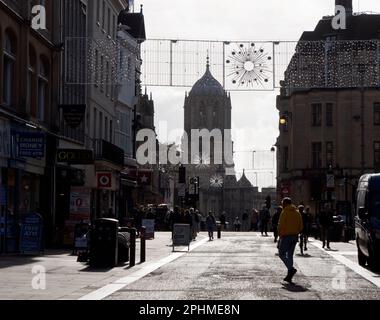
(238, 20)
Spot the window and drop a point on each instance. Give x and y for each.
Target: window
(8, 71)
(316, 119)
(285, 159)
(96, 67)
(111, 131)
(329, 153)
(108, 79)
(103, 14)
(316, 150)
(31, 90)
(43, 76)
(376, 114)
(329, 114)
(100, 125)
(98, 10)
(102, 73)
(94, 123)
(114, 26)
(377, 155)
(105, 128)
(109, 21)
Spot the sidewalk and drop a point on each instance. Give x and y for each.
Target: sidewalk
(65, 277)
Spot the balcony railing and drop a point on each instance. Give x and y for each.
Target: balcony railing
(107, 151)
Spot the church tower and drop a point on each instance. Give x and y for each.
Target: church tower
(208, 106)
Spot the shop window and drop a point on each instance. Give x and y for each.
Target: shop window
(9, 60)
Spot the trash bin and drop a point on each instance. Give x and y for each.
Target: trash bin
(337, 231)
(123, 246)
(104, 243)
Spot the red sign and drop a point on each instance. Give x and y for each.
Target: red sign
(104, 180)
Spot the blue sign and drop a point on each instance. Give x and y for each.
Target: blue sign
(31, 145)
(31, 234)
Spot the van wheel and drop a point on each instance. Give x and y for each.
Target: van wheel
(373, 261)
(362, 259)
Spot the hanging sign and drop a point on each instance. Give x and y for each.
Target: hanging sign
(74, 114)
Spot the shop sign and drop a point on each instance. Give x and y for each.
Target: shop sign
(80, 203)
(75, 156)
(5, 138)
(30, 145)
(104, 180)
(74, 114)
(31, 234)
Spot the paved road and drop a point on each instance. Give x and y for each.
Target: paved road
(245, 266)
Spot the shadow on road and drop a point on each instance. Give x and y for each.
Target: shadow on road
(292, 287)
(304, 255)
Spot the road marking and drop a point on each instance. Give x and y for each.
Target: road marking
(354, 266)
(121, 283)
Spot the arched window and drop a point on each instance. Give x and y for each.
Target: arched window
(9, 61)
(32, 70)
(43, 83)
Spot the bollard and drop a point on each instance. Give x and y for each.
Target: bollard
(219, 231)
(142, 245)
(132, 247)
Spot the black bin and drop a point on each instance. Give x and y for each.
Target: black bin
(104, 243)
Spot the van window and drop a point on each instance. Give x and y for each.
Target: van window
(361, 199)
(375, 205)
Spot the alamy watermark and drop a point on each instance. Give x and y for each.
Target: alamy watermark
(39, 280)
(39, 17)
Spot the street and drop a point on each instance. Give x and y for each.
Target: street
(239, 266)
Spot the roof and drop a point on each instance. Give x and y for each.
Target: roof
(359, 27)
(244, 182)
(136, 23)
(207, 86)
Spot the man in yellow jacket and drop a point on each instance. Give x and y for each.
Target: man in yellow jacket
(289, 227)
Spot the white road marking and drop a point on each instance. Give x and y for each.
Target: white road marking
(354, 266)
(121, 283)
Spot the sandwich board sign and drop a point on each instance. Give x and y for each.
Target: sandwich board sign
(181, 235)
(31, 234)
(149, 228)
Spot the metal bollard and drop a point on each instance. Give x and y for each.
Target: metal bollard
(142, 245)
(219, 231)
(132, 247)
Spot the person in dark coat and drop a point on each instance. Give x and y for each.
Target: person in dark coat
(210, 224)
(326, 221)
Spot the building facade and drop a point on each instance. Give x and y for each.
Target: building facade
(329, 110)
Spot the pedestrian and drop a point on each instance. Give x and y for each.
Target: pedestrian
(245, 219)
(194, 223)
(326, 221)
(289, 227)
(305, 231)
(210, 224)
(254, 219)
(275, 219)
(264, 218)
(188, 219)
(237, 224)
(222, 219)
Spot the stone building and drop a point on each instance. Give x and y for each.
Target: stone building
(330, 113)
(208, 107)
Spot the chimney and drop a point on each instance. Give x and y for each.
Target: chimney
(347, 4)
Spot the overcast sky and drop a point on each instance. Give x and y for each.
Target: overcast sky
(249, 20)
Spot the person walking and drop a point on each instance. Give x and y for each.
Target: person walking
(237, 224)
(305, 231)
(264, 217)
(326, 221)
(275, 219)
(210, 224)
(245, 219)
(254, 220)
(289, 227)
(194, 224)
(222, 219)
(188, 219)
